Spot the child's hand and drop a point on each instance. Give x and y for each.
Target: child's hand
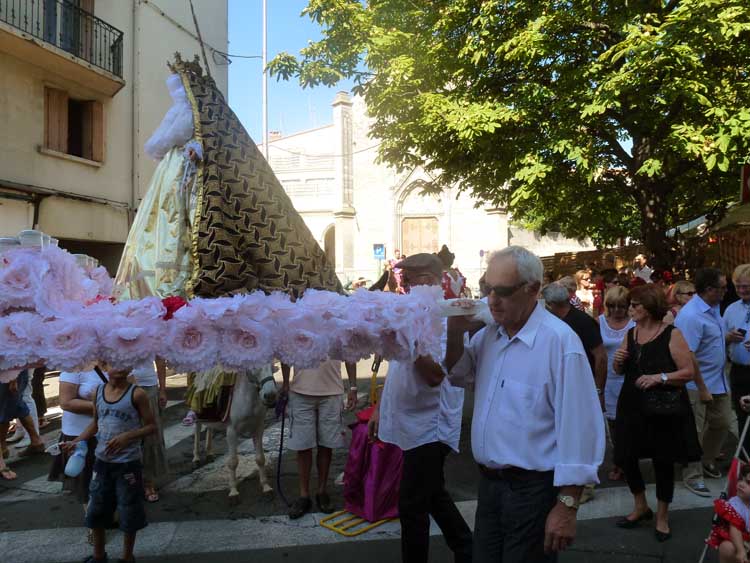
(117, 443)
(68, 447)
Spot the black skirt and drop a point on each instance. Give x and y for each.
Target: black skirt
(671, 438)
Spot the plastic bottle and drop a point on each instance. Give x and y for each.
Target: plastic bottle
(77, 461)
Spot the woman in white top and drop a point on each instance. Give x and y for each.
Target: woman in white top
(77, 392)
(152, 378)
(614, 325)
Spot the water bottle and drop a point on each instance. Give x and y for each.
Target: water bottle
(77, 461)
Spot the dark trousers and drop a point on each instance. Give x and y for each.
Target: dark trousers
(511, 516)
(37, 391)
(739, 377)
(422, 495)
(663, 473)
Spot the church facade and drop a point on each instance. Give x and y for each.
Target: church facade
(360, 210)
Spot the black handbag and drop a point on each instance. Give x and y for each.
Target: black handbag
(661, 400)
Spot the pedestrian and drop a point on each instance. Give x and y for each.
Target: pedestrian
(152, 378)
(37, 393)
(315, 421)
(570, 284)
(122, 418)
(20, 437)
(682, 292)
(453, 281)
(736, 326)
(641, 268)
(77, 391)
(584, 291)
(13, 406)
(587, 329)
(537, 433)
(420, 412)
(700, 323)
(614, 325)
(654, 419)
(732, 531)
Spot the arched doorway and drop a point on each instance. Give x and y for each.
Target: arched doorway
(329, 245)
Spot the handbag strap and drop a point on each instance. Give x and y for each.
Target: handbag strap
(100, 373)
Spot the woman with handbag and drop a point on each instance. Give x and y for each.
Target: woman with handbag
(654, 419)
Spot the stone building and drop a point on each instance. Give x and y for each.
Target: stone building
(81, 89)
(351, 203)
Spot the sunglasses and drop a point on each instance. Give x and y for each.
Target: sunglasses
(504, 290)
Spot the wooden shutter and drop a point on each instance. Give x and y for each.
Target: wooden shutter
(93, 131)
(56, 119)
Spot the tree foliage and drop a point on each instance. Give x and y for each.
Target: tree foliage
(607, 118)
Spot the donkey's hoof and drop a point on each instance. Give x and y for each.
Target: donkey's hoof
(234, 500)
(267, 492)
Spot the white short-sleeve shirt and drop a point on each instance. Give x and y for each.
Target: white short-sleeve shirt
(73, 423)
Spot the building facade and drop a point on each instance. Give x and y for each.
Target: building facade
(82, 86)
(352, 204)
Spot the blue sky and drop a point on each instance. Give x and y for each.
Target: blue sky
(290, 108)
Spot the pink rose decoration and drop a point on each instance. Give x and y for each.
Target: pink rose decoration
(324, 304)
(353, 341)
(69, 344)
(104, 283)
(20, 279)
(145, 310)
(126, 343)
(65, 288)
(300, 345)
(191, 343)
(20, 339)
(246, 345)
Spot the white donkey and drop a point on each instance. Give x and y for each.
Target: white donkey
(254, 393)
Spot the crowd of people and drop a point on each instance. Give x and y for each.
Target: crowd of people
(608, 353)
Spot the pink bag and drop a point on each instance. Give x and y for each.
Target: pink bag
(372, 476)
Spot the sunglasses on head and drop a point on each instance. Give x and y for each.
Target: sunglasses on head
(504, 290)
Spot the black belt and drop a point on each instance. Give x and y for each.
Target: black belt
(512, 473)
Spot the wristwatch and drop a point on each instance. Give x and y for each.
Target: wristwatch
(664, 378)
(568, 501)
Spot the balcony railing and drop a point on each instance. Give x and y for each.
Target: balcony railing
(65, 25)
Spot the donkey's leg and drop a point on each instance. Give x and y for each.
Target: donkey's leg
(196, 443)
(260, 459)
(232, 462)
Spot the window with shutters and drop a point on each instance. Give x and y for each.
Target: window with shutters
(74, 127)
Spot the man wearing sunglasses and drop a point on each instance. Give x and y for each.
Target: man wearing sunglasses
(420, 412)
(537, 431)
(701, 324)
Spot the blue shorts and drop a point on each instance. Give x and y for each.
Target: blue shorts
(116, 486)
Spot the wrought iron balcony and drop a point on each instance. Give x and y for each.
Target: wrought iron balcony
(66, 26)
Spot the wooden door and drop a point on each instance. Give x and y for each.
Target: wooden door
(419, 234)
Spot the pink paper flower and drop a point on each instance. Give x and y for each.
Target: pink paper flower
(300, 345)
(246, 345)
(20, 278)
(69, 343)
(20, 339)
(65, 287)
(353, 341)
(254, 306)
(324, 304)
(145, 310)
(104, 283)
(191, 343)
(126, 342)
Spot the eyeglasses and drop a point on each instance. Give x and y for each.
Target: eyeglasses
(621, 306)
(504, 290)
(691, 293)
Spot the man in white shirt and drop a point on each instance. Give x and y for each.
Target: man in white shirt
(736, 327)
(641, 268)
(537, 432)
(420, 412)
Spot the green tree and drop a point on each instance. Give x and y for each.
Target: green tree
(599, 118)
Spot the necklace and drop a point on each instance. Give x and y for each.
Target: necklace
(642, 345)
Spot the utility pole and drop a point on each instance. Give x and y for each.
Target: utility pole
(266, 148)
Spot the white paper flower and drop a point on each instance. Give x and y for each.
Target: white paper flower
(299, 344)
(127, 342)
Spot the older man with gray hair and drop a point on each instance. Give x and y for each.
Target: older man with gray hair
(537, 433)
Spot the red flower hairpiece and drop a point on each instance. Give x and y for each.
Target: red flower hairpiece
(172, 304)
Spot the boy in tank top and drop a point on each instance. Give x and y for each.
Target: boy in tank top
(117, 483)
